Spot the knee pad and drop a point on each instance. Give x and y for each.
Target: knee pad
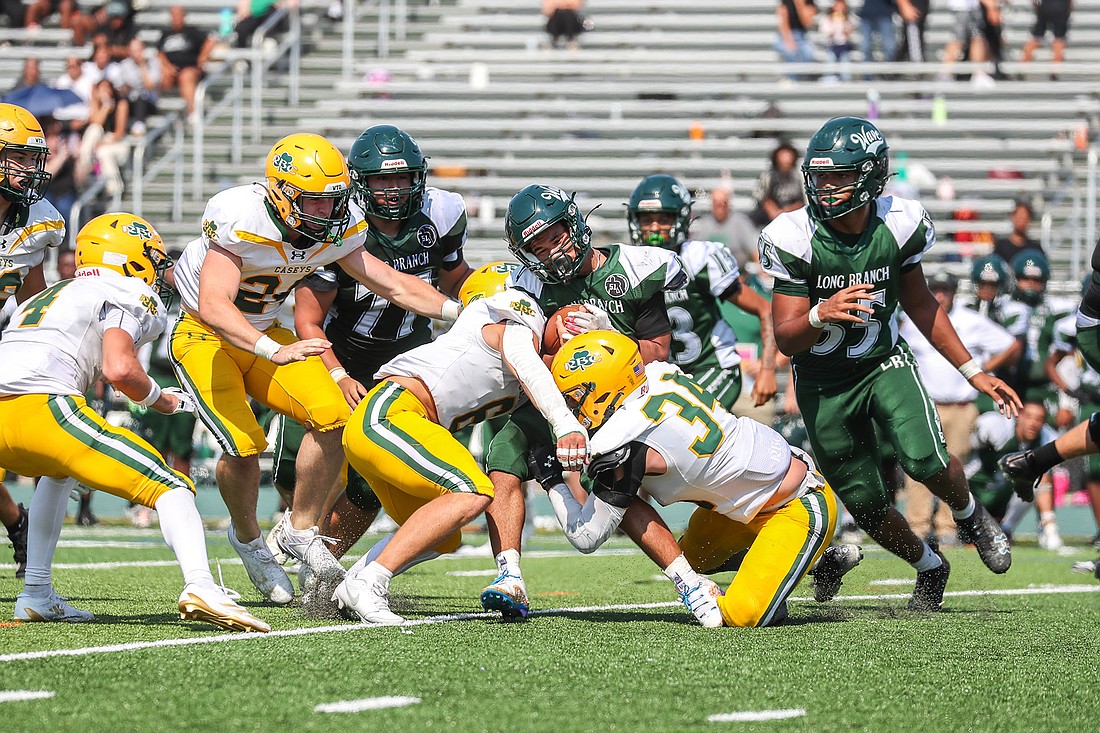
(1094, 428)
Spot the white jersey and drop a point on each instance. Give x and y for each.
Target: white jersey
(466, 377)
(54, 342)
(733, 465)
(24, 247)
(238, 220)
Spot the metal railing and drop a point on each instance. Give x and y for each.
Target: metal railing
(172, 156)
(354, 11)
(90, 194)
(1078, 230)
(291, 46)
(204, 117)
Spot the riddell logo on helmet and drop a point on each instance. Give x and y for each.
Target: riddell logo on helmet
(871, 140)
(650, 204)
(826, 162)
(395, 163)
(533, 228)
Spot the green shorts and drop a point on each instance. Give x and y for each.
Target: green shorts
(288, 439)
(1088, 343)
(841, 420)
(169, 434)
(526, 428)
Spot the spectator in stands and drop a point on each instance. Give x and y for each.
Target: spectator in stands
(968, 34)
(32, 74)
(80, 78)
(876, 18)
(137, 77)
(994, 348)
(914, 16)
(564, 21)
(251, 14)
(794, 18)
(1019, 239)
(779, 188)
(39, 10)
(836, 26)
(992, 31)
(183, 50)
(732, 228)
(64, 147)
(118, 30)
(105, 139)
(1053, 16)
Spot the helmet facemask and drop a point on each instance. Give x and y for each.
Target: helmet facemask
(532, 212)
(33, 179)
(868, 182)
(393, 203)
(314, 227)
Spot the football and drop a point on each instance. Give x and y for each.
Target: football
(551, 337)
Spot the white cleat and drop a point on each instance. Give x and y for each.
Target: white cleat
(264, 572)
(212, 605)
(272, 543)
(50, 607)
(1050, 539)
(702, 600)
(507, 594)
(367, 596)
(321, 572)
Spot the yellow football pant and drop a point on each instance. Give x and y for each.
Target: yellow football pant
(60, 436)
(407, 459)
(783, 545)
(221, 377)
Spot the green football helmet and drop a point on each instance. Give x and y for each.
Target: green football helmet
(532, 210)
(665, 194)
(846, 144)
(991, 270)
(383, 150)
(1030, 265)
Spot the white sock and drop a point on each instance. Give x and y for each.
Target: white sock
(966, 512)
(1046, 518)
(380, 571)
(46, 515)
(681, 573)
(181, 526)
(928, 561)
(508, 563)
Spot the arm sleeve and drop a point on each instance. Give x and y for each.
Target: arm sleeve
(652, 319)
(588, 526)
(451, 243)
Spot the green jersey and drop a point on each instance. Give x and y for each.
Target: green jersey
(629, 286)
(367, 330)
(1035, 326)
(809, 260)
(701, 338)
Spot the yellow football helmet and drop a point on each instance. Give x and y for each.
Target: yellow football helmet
(595, 371)
(485, 281)
(126, 244)
(304, 169)
(23, 151)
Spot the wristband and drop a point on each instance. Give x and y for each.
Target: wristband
(266, 347)
(337, 374)
(450, 311)
(970, 369)
(153, 396)
(815, 321)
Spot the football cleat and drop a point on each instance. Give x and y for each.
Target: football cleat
(211, 605)
(782, 611)
(834, 563)
(17, 533)
(1019, 469)
(982, 531)
(272, 543)
(266, 574)
(367, 596)
(507, 594)
(50, 607)
(321, 572)
(1050, 538)
(702, 600)
(930, 585)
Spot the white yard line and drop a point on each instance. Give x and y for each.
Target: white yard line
(367, 703)
(432, 620)
(21, 695)
(749, 716)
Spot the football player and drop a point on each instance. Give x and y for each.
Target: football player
(622, 287)
(703, 342)
(257, 242)
(58, 344)
(414, 228)
(400, 437)
(843, 265)
(655, 428)
(992, 282)
(28, 225)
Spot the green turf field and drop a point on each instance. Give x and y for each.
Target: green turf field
(610, 649)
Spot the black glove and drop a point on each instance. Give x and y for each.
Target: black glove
(544, 466)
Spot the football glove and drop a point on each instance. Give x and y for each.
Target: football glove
(592, 318)
(184, 403)
(544, 466)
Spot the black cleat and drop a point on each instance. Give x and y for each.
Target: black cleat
(928, 591)
(17, 533)
(982, 531)
(1019, 469)
(85, 518)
